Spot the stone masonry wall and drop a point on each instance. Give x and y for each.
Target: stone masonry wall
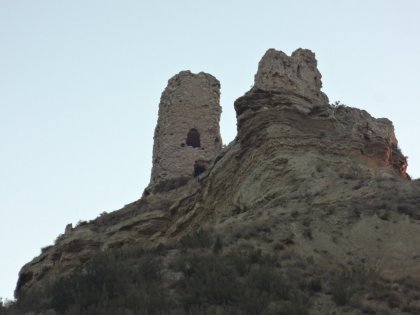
(187, 130)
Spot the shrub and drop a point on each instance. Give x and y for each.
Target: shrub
(112, 279)
(240, 282)
(127, 282)
(199, 239)
(410, 210)
(341, 292)
(113, 282)
(315, 284)
(218, 245)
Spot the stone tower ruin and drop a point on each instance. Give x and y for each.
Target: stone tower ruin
(187, 135)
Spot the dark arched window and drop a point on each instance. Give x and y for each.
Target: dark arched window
(198, 169)
(193, 138)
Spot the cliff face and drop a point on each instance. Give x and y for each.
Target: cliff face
(326, 182)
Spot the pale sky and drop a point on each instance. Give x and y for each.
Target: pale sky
(80, 83)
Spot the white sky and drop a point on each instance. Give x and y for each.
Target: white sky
(80, 83)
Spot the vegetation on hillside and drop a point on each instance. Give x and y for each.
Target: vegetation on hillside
(199, 276)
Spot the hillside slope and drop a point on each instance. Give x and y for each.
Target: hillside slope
(303, 180)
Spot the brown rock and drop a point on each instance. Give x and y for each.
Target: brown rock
(321, 179)
(297, 74)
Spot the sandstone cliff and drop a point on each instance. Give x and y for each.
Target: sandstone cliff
(327, 183)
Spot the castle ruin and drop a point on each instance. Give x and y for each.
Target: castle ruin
(187, 135)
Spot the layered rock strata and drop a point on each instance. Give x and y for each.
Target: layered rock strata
(297, 164)
(287, 102)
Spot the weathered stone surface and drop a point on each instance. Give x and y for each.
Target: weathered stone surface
(297, 74)
(341, 130)
(69, 228)
(188, 126)
(297, 167)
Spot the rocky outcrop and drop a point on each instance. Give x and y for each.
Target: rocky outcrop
(188, 126)
(297, 74)
(327, 183)
(288, 103)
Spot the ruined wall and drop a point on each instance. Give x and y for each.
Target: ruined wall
(187, 130)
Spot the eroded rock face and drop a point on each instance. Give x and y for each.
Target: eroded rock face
(297, 74)
(297, 163)
(188, 126)
(287, 102)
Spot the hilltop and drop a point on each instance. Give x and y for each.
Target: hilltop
(309, 210)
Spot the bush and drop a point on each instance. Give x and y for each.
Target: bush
(353, 283)
(410, 210)
(199, 239)
(340, 293)
(127, 282)
(218, 245)
(113, 282)
(315, 284)
(112, 279)
(241, 282)
(208, 280)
